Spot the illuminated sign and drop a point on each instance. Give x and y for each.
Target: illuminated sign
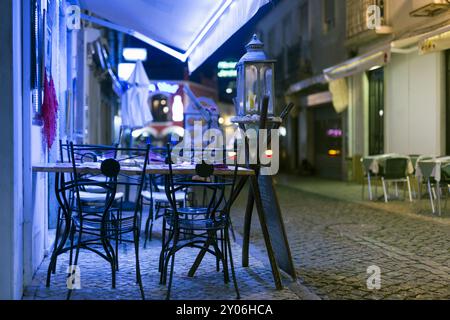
(334, 153)
(227, 74)
(227, 69)
(334, 133)
(226, 65)
(135, 54)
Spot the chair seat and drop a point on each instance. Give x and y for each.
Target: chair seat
(99, 178)
(199, 224)
(191, 210)
(161, 196)
(94, 189)
(94, 223)
(92, 196)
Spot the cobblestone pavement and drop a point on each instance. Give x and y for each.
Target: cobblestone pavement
(333, 242)
(254, 283)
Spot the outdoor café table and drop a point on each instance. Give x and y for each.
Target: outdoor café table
(271, 238)
(372, 164)
(431, 168)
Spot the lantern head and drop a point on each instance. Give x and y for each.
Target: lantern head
(255, 80)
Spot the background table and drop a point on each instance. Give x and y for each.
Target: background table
(428, 169)
(372, 164)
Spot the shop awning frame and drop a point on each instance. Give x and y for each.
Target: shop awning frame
(192, 47)
(304, 84)
(374, 59)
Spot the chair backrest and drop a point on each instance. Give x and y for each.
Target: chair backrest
(154, 182)
(395, 168)
(109, 171)
(85, 152)
(215, 184)
(414, 158)
(134, 158)
(445, 173)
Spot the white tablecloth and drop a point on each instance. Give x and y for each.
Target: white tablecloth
(431, 168)
(372, 163)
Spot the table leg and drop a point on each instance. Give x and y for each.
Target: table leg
(58, 247)
(369, 185)
(438, 183)
(430, 191)
(247, 227)
(419, 188)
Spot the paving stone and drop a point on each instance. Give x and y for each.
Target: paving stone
(333, 239)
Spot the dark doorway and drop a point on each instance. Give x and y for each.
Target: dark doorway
(376, 111)
(328, 135)
(447, 103)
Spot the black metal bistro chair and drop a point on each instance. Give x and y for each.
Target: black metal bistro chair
(155, 197)
(83, 153)
(207, 230)
(395, 171)
(98, 223)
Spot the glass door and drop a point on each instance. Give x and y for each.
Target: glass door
(376, 111)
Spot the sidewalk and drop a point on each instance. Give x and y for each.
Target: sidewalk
(335, 238)
(352, 192)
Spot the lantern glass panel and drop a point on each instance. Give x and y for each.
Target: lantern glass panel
(266, 75)
(252, 89)
(240, 92)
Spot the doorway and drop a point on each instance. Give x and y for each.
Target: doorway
(376, 111)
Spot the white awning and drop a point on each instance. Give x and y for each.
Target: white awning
(304, 84)
(438, 40)
(426, 40)
(374, 59)
(186, 29)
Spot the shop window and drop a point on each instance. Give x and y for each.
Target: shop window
(329, 15)
(159, 105)
(37, 57)
(304, 21)
(376, 111)
(447, 92)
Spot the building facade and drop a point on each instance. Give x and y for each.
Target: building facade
(368, 77)
(400, 104)
(305, 37)
(40, 40)
(28, 52)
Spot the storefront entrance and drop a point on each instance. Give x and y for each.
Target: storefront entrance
(376, 111)
(328, 147)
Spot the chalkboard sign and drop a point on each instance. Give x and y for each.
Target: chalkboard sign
(275, 225)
